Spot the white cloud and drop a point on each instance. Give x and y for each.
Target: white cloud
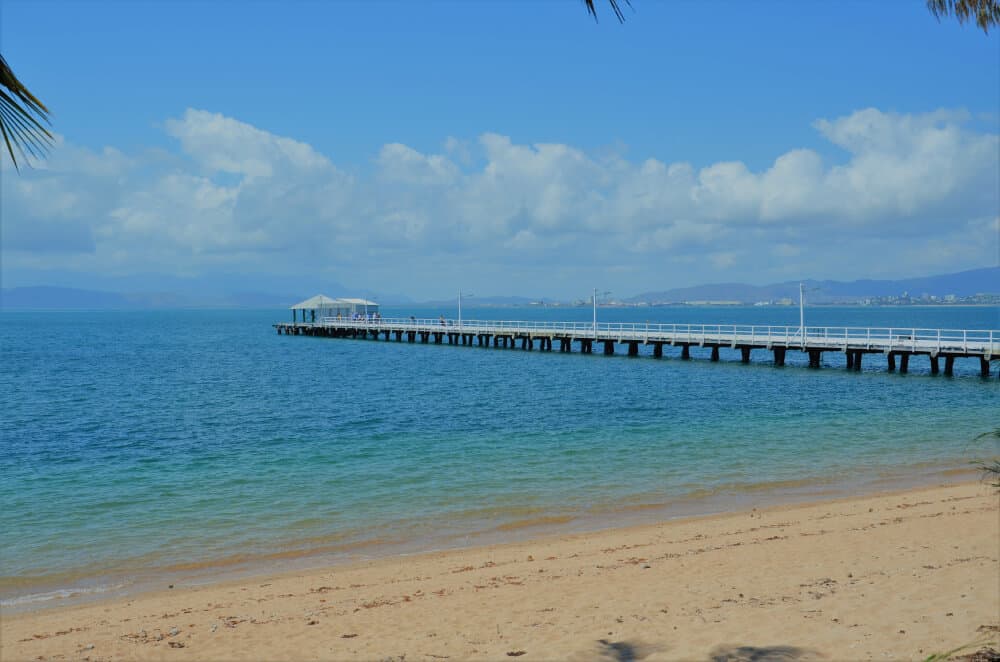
(241, 198)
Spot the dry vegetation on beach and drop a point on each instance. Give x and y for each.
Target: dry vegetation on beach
(900, 576)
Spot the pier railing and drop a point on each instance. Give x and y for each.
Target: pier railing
(985, 341)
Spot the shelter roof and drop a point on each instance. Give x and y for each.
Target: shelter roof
(358, 302)
(318, 301)
(323, 301)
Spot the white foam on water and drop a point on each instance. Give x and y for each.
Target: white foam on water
(59, 594)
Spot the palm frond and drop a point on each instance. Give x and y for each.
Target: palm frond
(20, 112)
(985, 12)
(615, 7)
(990, 468)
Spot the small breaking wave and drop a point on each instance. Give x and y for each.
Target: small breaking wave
(58, 594)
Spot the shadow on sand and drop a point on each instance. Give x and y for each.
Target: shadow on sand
(633, 651)
(623, 651)
(762, 654)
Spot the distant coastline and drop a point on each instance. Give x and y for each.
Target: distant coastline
(976, 287)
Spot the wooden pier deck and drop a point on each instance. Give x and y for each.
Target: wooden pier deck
(897, 344)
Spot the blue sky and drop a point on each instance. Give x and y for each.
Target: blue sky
(504, 147)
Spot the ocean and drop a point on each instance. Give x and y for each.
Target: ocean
(153, 447)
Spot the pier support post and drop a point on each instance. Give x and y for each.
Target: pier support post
(425, 336)
(850, 359)
(857, 360)
(904, 363)
(438, 337)
(745, 354)
(779, 356)
(984, 367)
(633, 348)
(891, 359)
(658, 350)
(715, 353)
(609, 347)
(586, 346)
(411, 336)
(935, 368)
(949, 365)
(814, 357)
(565, 345)
(685, 352)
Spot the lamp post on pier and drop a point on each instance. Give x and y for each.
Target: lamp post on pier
(802, 313)
(460, 295)
(603, 294)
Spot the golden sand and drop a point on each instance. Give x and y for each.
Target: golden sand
(896, 576)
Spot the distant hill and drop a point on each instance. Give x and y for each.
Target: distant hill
(69, 298)
(965, 283)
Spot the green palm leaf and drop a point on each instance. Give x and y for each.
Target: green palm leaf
(20, 112)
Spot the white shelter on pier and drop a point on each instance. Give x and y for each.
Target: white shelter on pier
(320, 306)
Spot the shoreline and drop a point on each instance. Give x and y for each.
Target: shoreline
(905, 573)
(132, 582)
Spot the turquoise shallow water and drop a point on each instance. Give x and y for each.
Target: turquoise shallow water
(140, 445)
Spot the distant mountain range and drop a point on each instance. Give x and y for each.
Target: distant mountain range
(68, 298)
(963, 284)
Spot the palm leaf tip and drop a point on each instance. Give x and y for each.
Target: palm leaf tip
(986, 13)
(21, 117)
(615, 7)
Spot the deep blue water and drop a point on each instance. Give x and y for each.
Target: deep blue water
(139, 444)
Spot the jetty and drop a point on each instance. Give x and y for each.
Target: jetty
(897, 344)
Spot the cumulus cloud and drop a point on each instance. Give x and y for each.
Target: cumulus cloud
(236, 197)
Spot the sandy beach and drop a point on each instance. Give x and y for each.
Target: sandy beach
(893, 576)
